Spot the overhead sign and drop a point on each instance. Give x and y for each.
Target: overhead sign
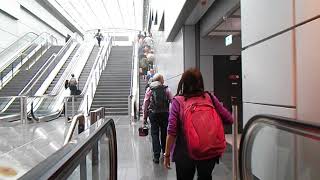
(228, 40)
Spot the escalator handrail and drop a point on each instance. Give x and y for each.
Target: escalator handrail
(62, 163)
(41, 72)
(21, 53)
(59, 87)
(14, 43)
(309, 129)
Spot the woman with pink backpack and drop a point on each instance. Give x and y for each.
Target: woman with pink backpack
(195, 139)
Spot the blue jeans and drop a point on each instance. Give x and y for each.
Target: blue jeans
(159, 124)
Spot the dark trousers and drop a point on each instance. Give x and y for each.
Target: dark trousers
(73, 90)
(185, 169)
(159, 124)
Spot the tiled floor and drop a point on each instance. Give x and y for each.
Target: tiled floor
(135, 157)
(24, 146)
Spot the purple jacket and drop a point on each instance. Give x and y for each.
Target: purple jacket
(147, 98)
(174, 115)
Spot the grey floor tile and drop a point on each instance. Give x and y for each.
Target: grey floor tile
(135, 157)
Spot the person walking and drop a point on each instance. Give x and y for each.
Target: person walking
(156, 106)
(99, 37)
(195, 129)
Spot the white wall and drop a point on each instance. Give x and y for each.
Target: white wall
(282, 70)
(169, 58)
(281, 75)
(11, 29)
(308, 74)
(268, 67)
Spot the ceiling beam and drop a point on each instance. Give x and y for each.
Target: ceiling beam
(52, 10)
(216, 13)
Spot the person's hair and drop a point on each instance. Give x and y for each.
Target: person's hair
(158, 77)
(72, 75)
(191, 84)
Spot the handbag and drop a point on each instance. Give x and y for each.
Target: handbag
(143, 131)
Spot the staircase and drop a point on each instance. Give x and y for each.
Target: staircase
(16, 85)
(114, 84)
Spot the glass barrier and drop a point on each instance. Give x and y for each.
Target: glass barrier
(280, 148)
(26, 58)
(17, 47)
(12, 112)
(91, 155)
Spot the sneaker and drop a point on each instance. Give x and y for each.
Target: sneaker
(156, 160)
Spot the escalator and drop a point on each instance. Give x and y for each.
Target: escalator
(18, 60)
(26, 47)
(50, 108)
(64, 67)
(84, 75)
(21, 79)
(280, 148)
(17, 47)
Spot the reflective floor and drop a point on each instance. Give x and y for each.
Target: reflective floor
(24, 146)
(135, 157)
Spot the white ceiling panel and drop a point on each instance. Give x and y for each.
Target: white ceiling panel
(104, 14)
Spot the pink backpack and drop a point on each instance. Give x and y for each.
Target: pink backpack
(202, 127)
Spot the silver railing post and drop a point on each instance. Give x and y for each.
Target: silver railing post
(129, 106)
(66, 108)
(95, 148)
(23, 109)
(235, 151)
(73, 110)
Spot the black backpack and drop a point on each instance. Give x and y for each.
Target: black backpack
(159, 99)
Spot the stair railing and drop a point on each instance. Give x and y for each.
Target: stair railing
(91, 85)
(133, 97)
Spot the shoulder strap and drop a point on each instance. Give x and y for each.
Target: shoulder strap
(211, 97)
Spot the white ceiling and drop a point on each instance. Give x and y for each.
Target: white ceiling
(104, 14)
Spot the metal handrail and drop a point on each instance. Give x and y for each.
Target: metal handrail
(15, 68)
(57, 91)
(130, 97)
(41, 72)
(102, 60)
(78, 119)
(21, 53)
(11, 45)
(255, 124)
(64, 162)
(94, 67)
